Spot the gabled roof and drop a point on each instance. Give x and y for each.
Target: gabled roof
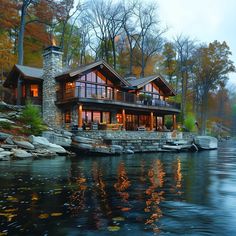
(83, 68)
(28, 71)
(162, 84)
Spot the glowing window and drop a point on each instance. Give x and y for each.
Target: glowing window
(68, 117)
(34, 90)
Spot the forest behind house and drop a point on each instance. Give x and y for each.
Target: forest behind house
(130, 37)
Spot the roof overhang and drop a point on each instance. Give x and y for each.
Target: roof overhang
(16, 73)
(99, 65)
(161, 83)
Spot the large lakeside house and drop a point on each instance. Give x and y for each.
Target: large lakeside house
(92, 96)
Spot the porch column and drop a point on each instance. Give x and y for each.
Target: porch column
(151, 122)
(174, 122)
(80, 120)
(123, 118)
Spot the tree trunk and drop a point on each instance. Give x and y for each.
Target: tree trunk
(21, 35)
(142, 61)
(114, 53)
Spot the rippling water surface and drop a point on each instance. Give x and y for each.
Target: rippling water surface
(141, 194)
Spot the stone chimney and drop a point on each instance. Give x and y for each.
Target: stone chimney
(52, 65)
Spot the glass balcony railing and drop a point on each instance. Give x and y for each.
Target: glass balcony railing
(112, 95)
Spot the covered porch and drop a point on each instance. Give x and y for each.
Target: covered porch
(90, 117)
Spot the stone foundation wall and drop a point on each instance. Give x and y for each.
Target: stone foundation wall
(137, 141)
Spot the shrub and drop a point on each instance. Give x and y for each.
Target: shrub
(189, 123)
(169, 124)
(5, 125)
(33, 120)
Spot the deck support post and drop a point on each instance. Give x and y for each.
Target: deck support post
(174, 122)
(80, 120)
(123, 118)
(151, 121)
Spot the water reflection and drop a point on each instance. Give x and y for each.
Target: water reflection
(144, 194)
(156, 176)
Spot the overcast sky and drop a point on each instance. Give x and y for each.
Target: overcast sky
(204, 20)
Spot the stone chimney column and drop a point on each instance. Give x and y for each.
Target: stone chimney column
(52, 65)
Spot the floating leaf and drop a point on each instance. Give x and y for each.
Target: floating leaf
(118, 218)
(113, 228)
(11, 210)
(35, 197)
(3, 233)
(43, 216)
(12, 199)
(56, 214)
(125, 209)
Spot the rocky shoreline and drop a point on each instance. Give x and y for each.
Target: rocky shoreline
(19, 147)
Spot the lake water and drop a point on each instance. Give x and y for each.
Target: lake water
(141, 194)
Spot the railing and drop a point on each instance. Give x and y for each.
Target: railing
(113, 95)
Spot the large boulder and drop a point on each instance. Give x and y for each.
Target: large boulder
(56, 148)
(19, 153)
(4, 136)
(24, 144)
(38, 141)
(117, 148)
(43, 142)
(57, 138)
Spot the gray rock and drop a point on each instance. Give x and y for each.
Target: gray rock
(6, 120)
(4, 158)
(80, 139)
(19, 153)
(66, 133)
(24, 144)
(8, 146)
(129, 151)
(84, 146)
(117, 148)
(43, 142)
(4, 136)
(37, 140)
(56, 148)
(9, 141)
(56, 138)
(6, 153)
(1, 149)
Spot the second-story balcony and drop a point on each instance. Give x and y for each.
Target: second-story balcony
(108, 95)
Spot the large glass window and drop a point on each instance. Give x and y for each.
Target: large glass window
(148, 87)
(97, 116)
(34, 90)
(109, 92)
(91, 77)
(101, 79)
(87, 116)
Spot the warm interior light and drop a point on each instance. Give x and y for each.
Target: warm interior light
(54, 43)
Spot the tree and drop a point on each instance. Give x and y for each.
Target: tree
(149, 35)
(211, 69)
(169, 62)
(184, 48)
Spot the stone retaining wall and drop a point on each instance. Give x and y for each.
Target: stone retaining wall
(137, 141)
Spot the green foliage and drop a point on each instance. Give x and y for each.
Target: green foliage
(31, 116)
(168, 122)
(189, 123)
(5, 125)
